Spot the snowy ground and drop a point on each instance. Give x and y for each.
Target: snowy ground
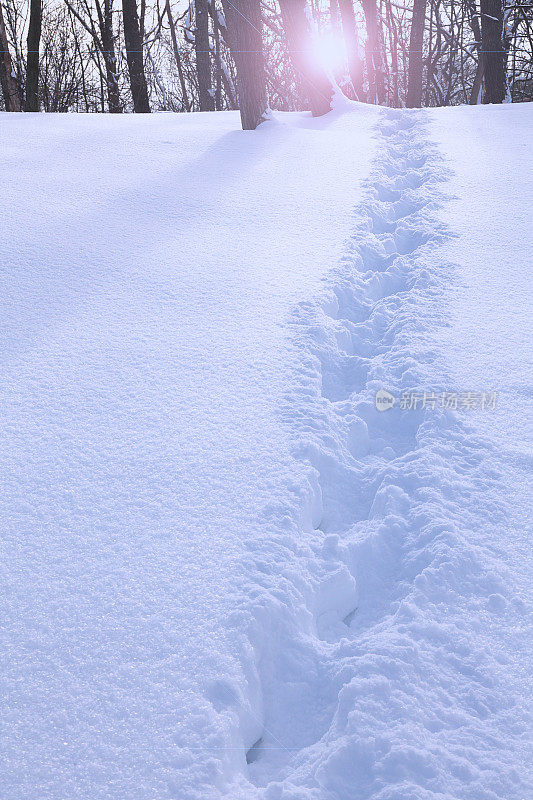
(225, 574)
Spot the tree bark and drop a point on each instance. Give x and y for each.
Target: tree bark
(203, 59)
(134, 55)
(375, 61)
(32, 65)
(493, 51)
(416, 63)
(10, 88)
(475, 94)
(218, 70)
(315, 83)
(244, 31)
(351, 37)
(105, 20)
(473, 21)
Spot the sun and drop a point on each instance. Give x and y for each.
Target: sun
(329, 52)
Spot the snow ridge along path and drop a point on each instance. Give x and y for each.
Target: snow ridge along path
(401, 673)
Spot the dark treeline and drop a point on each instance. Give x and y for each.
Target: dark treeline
(147, 55)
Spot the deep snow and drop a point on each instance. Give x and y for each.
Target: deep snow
(216, 550)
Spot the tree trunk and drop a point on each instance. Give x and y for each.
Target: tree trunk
(493, 51)
(32, 67)
(203, 59)
(351, 37)
(375, 62)
(218, 70)
(316, 85)
(10, 89)
(244, 31)
(416, 43)
(105, 20)
(177, 56)
(134, 55)
(475, 94)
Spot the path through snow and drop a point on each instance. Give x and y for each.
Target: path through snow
(405, 684)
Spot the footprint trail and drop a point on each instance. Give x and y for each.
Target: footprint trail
(386, 657)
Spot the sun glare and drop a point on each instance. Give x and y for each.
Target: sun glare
(329, 52)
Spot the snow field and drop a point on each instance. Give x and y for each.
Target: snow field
(225, 574)
(147, 270)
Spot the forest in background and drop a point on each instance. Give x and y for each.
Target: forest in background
(158, 55)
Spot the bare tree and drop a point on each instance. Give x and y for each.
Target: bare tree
(32, 65)
(416, 62)
(134, 55)
(61, 71)
(104, 40)
(473, 21)
(314, 82)
(493, 51)
(105, 21)
(10, 88)
(351, 38)
(86, 59)
(203, 59)
(224, 76)
(218, 66)
(244, 31)
(374, 52)
(177, 55)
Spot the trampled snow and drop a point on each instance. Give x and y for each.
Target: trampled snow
(226, 575)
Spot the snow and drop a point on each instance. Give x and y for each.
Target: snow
(225, 574)
(490, 344)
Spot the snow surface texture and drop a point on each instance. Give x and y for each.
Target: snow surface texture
(226, 573)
